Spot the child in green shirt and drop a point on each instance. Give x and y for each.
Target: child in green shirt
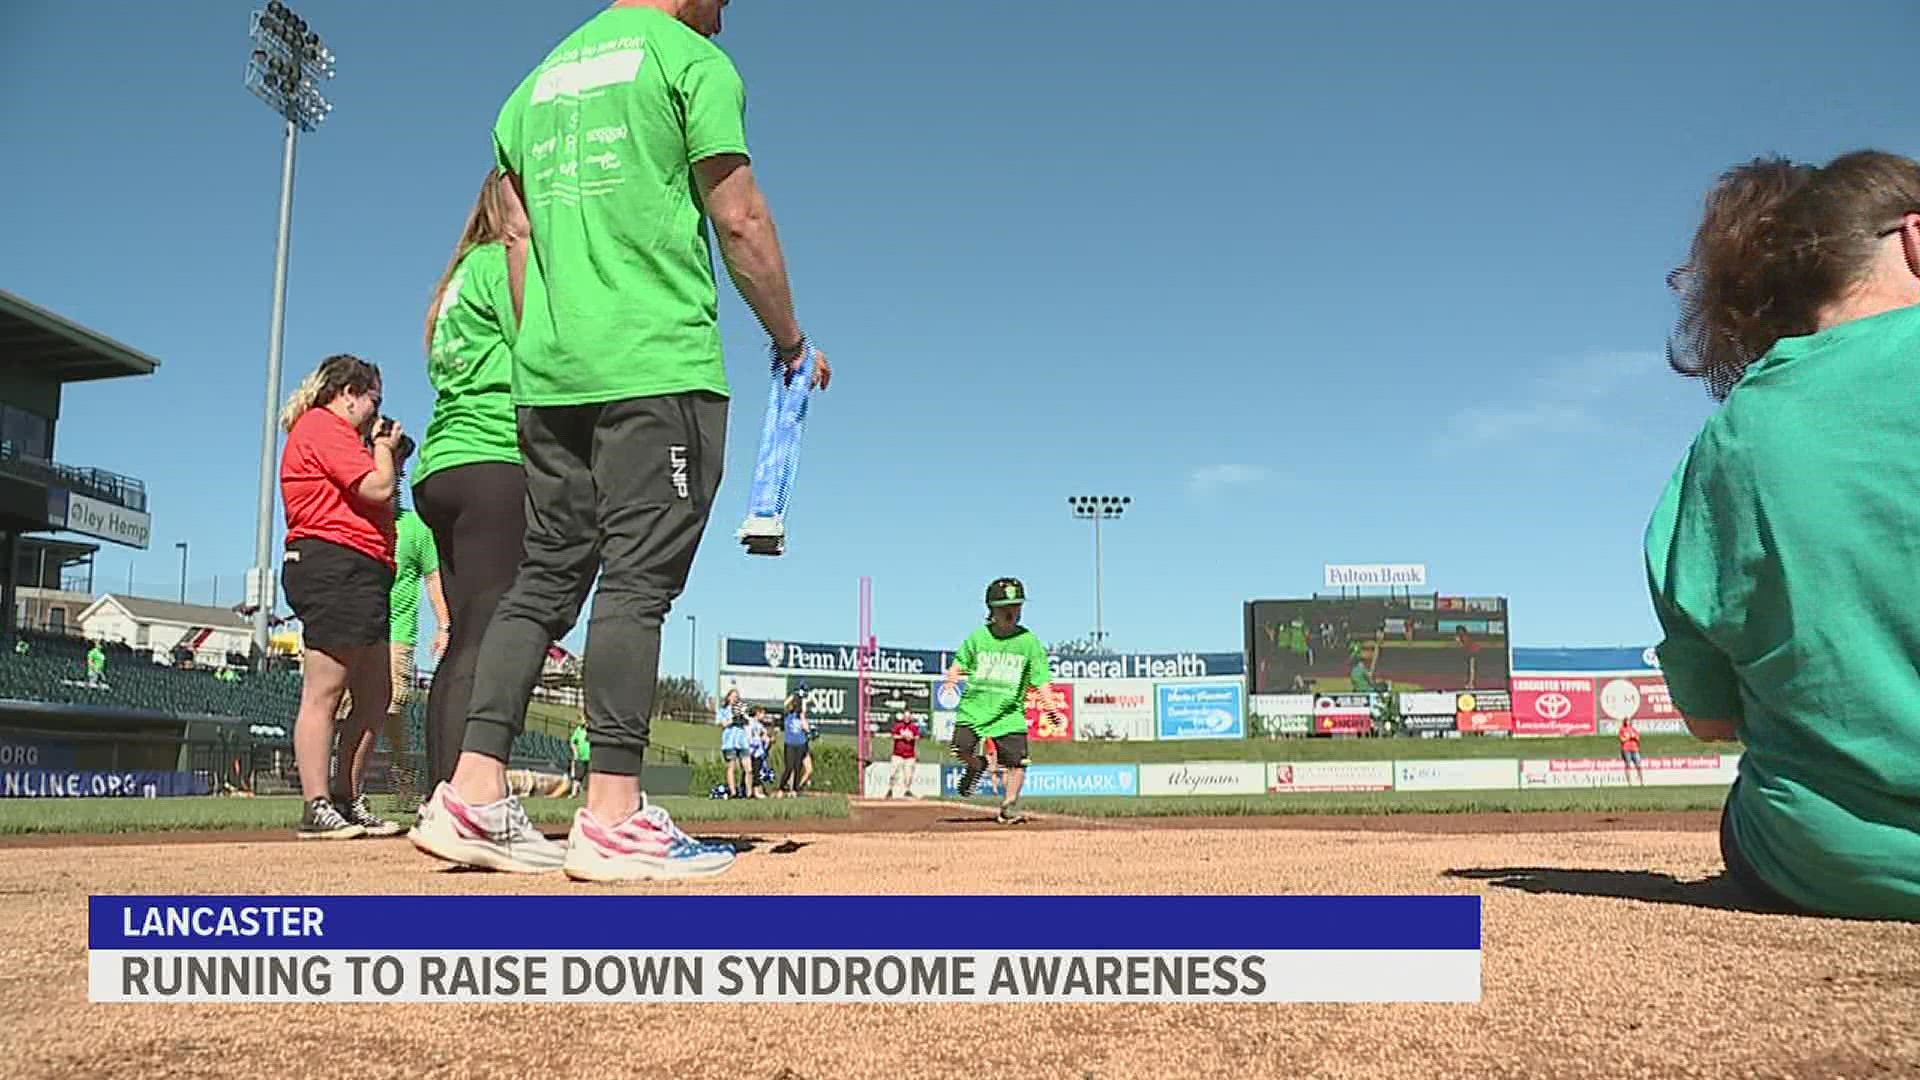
(1003, 662)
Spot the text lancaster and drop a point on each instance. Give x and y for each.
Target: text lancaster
(690, 976)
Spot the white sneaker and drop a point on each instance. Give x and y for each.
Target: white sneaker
(497, 836)
(646, 847)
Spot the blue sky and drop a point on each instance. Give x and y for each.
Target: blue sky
(1359, 282)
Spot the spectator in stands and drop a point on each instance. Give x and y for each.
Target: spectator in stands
(337, 479)
(470, 487)
(1780, 556)
(96, 666)
(622, 389)
(906, 755)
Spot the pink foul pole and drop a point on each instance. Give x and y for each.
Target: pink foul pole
(864, 661)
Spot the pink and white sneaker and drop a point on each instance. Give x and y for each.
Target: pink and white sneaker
(646, 847)
(497, 836)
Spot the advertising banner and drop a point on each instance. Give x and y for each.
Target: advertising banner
(1642, 698)
(1284, 776)
(1481, 711)
(844, 659)
(833, 704)
(1343, 714)
(1282, 714)
(85, 784)
(755, 688)
(1429, 703)
(1204, 778)
(1423, 724)
(18, 753)
(1553, 705)
(925, 783)
(887, 698)
(1468, 774)
(1041, 729)
(1201, 711)
(1055, 781)
(1376, 576)
(1697, 770)
(1113, 709)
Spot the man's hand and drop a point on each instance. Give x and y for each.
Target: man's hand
(440, 643)
(822, 371)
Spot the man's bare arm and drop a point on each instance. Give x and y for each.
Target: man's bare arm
(1712, 730)
(519, 236)
(749, 243)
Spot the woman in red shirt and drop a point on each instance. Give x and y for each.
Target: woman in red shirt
(337, 480)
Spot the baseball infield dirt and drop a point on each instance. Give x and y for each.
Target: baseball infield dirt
(1610, 951)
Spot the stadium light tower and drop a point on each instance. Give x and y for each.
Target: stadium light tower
(286, 66)
(1098, 508)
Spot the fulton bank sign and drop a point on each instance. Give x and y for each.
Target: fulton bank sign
(803, 656)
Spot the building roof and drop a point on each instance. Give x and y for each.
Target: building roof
(146, 610)
(34, 338)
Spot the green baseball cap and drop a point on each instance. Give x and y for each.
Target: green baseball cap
(1005, 592)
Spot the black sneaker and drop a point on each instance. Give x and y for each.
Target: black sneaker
(370, 823)
(1009, 816)
(323, 821)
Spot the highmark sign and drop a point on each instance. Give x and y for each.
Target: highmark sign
(844, 659)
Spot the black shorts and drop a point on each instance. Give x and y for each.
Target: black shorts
(340, 595)
(1010, 749)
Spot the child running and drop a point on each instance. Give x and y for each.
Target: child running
(1002, 661)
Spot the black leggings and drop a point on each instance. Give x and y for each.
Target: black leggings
(796, 757)
(478, 515)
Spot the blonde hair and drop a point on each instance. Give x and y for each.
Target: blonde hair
(336, 375)
(489, 222)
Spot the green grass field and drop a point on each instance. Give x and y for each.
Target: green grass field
(23, 816)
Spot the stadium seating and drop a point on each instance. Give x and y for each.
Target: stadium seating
(54, 670)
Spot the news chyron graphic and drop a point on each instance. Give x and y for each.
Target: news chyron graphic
(1219, 950)
(1378, 644)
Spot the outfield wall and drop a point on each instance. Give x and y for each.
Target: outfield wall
(1252, 778)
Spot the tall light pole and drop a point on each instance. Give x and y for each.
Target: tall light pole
(1098, 508)
(182, 545)
(287, 65)
(693, 640)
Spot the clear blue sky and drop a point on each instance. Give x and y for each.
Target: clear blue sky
(1358, 282)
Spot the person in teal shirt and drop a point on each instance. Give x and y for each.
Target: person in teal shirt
(1781, 555)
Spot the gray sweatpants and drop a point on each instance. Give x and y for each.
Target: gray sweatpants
(624, 490)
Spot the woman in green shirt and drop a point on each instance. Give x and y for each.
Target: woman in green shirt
(470, 488)
(1781, 557)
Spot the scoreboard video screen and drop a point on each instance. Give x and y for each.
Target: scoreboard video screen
(1377, 644)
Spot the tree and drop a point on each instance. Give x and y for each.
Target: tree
(1081, 647)
(681, 695)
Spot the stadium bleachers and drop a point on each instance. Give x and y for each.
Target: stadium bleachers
(53, 669)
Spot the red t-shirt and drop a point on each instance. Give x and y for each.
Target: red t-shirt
(319, 473)
(904, 734)
(1629, 738)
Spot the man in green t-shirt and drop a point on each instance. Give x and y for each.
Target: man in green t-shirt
(1003, 662)
(96, 665)
(582, 755)
(618, 148)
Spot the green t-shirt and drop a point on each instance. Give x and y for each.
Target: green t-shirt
(603, 135)
(999, 672)
(414, 557)
(582, 749)
(96, 660)
(1781, 564)
(471, 367)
